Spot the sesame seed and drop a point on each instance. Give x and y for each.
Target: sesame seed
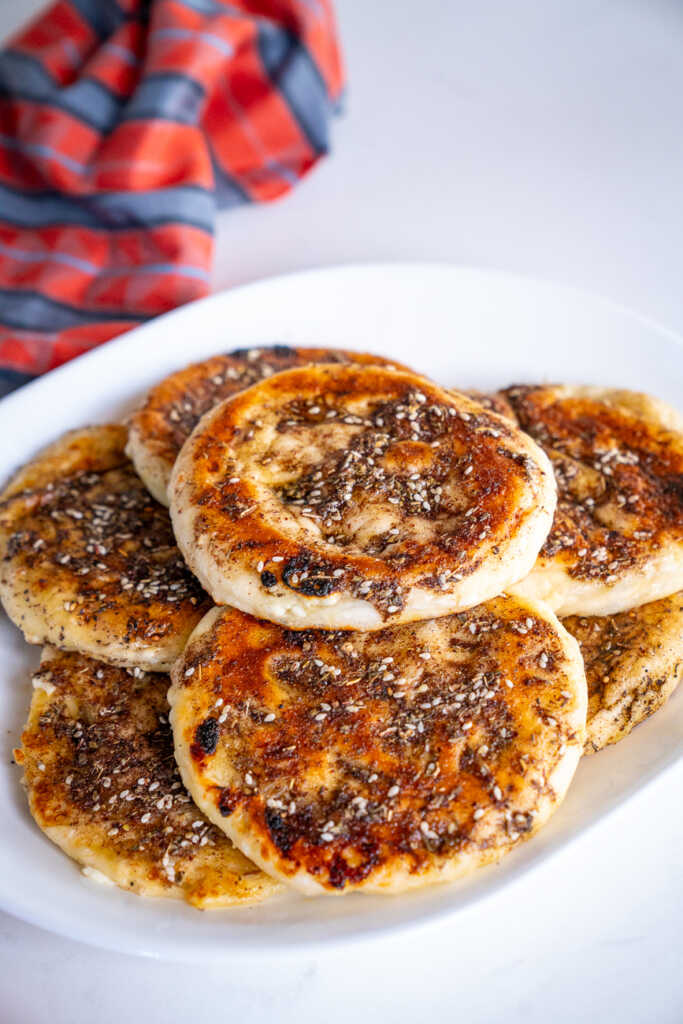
(270, 717)
(479, 813)
(393, 791)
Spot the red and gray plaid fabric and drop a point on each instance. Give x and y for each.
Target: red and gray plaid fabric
(123, 126)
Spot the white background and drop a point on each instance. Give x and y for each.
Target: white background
(540, 137)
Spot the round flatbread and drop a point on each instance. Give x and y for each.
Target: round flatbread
(633, 661)
(380, 761)
(102, 783)
(348, 498)
(173, 408)
(617, 537)
(88, 561)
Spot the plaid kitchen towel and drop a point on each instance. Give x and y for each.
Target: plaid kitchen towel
(124, 124)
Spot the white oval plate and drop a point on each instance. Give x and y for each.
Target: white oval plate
(465, 328)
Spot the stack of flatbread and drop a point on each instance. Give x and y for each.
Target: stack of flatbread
(310, 619)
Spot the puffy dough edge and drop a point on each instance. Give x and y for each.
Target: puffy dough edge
(661, 577)
(152, 469)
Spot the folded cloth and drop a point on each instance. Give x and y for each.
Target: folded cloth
(124, 124)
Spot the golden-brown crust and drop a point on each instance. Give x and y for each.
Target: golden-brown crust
(633, 661)
(380, 760)
(350, 496)
(88, 560)
(617, 536)
(173, 407)
(97, 754)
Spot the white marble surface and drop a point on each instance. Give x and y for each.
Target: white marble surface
(538, 137)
